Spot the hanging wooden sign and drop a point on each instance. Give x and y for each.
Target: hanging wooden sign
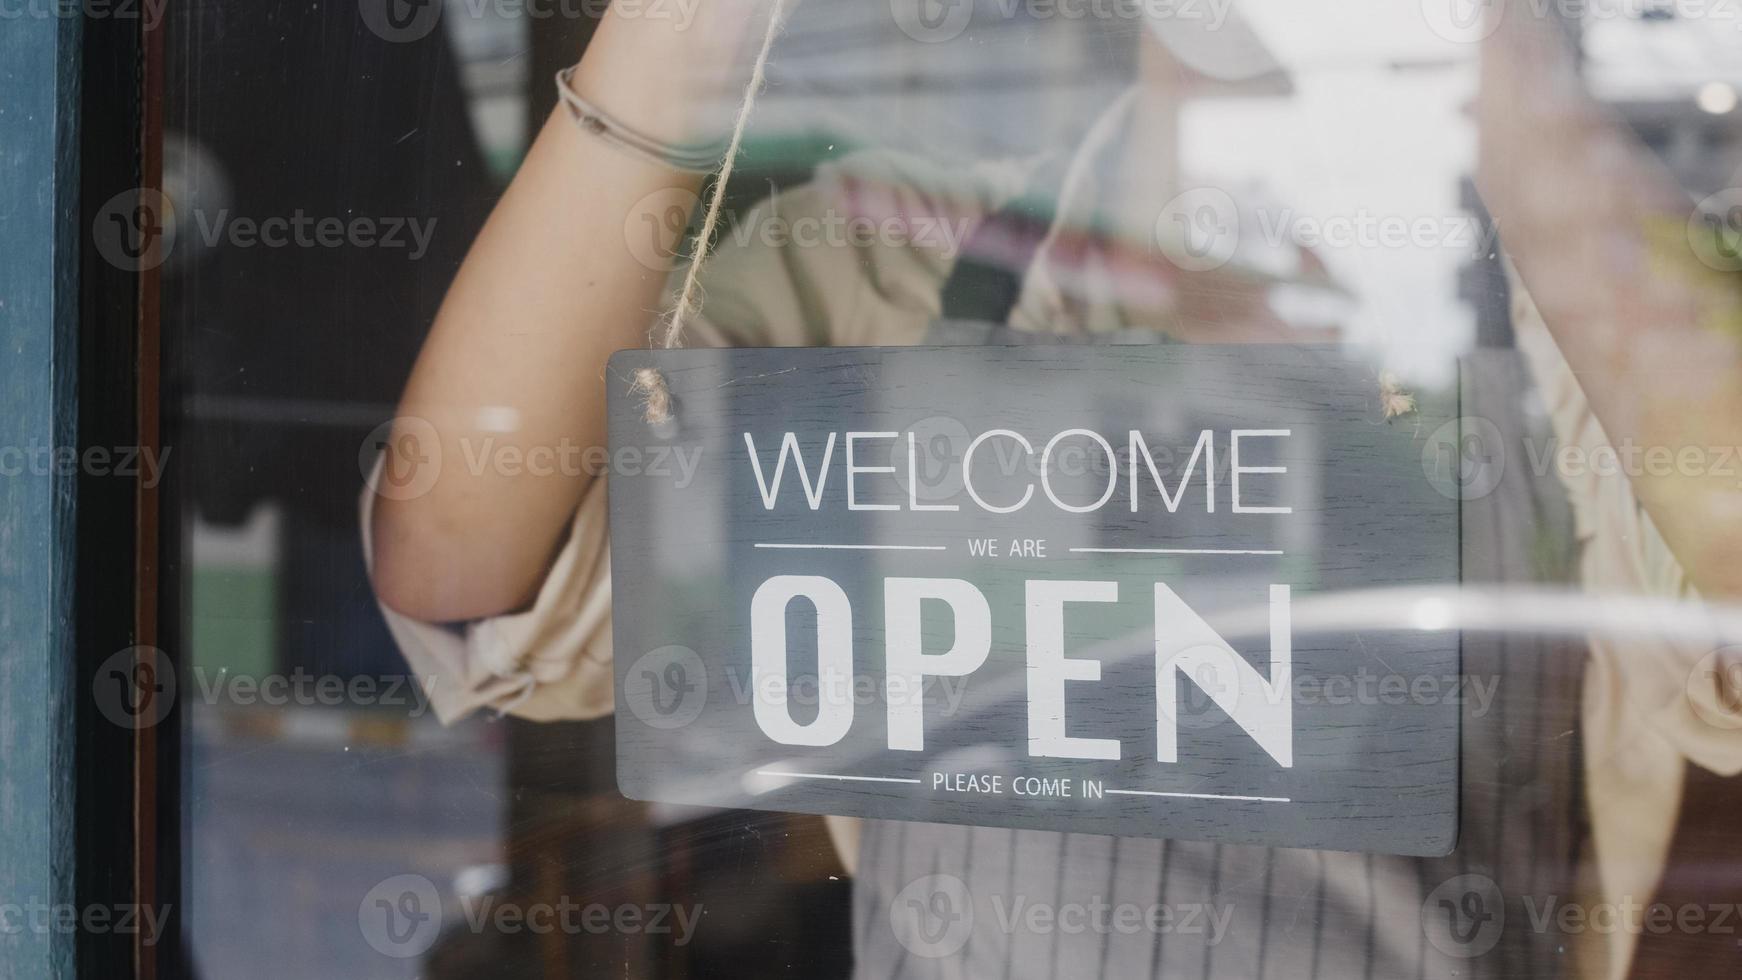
(1056, 588)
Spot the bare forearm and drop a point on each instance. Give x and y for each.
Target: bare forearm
(513, 366)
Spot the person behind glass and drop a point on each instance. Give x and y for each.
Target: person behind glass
(516, 566)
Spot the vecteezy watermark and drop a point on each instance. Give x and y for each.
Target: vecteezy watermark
(934, 916)
(1464, 459)
(38, 918)
(144, 463)
(137, 229)
(1714, 688)
(402, 917)
(147, 12)
(1472, 21)
(1203, 228)
(1369, 229)
(1631, 459)
(1369, 687)
(1715, 230)
(413, 20)
(1551, 914)
(1466, 916)
(402, 458)
(1199, 229)
(936, 21)
(136, 688)
(668, 688)
(654, 229)
(1214, 692)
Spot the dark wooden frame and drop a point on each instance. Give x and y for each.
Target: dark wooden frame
(77, 569)
(120, 786)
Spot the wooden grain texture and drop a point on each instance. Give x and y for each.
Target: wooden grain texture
(38, 289)
(1372, 771)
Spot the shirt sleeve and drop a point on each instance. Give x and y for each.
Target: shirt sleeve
(1666, 679)
(857, 256)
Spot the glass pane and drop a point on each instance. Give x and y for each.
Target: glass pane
(1480, 258)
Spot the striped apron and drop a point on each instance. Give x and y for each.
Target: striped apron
(1128, 907)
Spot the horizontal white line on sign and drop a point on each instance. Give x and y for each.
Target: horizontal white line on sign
(1201, 796)
(858, 547)
(824, 775)
(1168, 551)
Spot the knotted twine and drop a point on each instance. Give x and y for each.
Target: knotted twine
(649, 383)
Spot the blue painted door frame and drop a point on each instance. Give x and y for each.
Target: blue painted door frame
(39, 266)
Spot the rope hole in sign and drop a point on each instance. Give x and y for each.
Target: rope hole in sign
(658, 403)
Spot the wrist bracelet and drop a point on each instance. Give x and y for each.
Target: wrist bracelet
(590, 118)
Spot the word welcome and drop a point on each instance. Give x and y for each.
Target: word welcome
(1009, 449)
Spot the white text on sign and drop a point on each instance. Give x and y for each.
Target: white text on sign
(1185, 645)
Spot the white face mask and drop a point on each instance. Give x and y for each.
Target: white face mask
(1210, 37)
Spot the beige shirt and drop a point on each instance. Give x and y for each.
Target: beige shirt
(1644, 709)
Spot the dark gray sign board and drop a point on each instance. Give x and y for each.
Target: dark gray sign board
(1036, 587)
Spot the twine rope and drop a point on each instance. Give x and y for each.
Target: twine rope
(649, 383)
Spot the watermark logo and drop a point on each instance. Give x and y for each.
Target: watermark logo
(1461, 21)
(1714, 689)
(137, 229)
(1204, 228)
(932, 21)
(1473, 21)
(38, 918)
(1465, 458)
(936, 21)
(667, 688)
(135, 688)
(1715, 230)
(1199, 229)
(404, 21)
(1281, 227)
(928, 463)
(401, 458)
(654, 229)
(933, 917)
(148, 12)
(144, 463)
(488, 913)
(134, 231)
(1631, 459)
(401, 917)
(656, 220)
(1465, 916)
(1629, 916)
(400, 20)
